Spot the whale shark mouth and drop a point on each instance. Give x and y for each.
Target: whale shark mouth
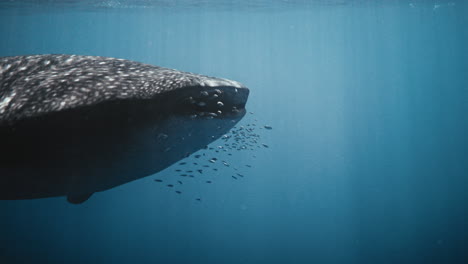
(211, 102)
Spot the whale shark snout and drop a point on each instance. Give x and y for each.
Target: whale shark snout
(75, 125)
(216, 102)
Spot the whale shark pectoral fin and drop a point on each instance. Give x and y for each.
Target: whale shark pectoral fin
(78, 198)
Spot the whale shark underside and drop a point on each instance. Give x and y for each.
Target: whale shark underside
(75, 125)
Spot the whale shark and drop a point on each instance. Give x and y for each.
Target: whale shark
(74, 125)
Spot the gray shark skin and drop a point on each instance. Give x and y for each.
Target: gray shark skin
(75, 125)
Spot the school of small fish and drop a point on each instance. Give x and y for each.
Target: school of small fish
(206, 162)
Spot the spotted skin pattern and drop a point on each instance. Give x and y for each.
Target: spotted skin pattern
(39, 84)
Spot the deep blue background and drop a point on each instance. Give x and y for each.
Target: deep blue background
(368, 157)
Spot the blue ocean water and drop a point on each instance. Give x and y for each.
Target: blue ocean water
(368, 155)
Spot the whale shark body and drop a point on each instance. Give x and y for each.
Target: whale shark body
(75, 125)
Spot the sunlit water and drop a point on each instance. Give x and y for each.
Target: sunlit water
(367, 159)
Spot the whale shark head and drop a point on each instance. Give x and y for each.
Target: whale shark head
(75, 125)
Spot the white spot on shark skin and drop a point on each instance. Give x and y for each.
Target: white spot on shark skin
(4, 103)
(220, 82)
(3, 69)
